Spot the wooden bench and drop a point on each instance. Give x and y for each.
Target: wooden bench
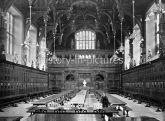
(11, 100)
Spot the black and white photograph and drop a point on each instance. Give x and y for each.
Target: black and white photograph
(82, 60)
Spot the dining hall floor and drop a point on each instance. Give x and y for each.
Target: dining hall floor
(138, 110)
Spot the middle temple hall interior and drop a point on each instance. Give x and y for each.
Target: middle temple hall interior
(61, 60)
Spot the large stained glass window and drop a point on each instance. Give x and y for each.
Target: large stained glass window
(85, 40)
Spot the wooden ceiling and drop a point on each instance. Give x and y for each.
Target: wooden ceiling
(69, 16)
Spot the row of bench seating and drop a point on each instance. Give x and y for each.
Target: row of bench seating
(142, 98)
(114, 102)
(12, 100)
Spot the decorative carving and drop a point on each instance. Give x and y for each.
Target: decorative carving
(117, 57)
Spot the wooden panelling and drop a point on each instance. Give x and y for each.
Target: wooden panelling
(17, 79)
(147, 80)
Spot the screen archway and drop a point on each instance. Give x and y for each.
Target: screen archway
(99, 78)
(70, 77)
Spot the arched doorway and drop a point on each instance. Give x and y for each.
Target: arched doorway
(70, 77)
(99, 82)
(70, 81)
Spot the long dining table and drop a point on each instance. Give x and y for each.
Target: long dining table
(79, 99)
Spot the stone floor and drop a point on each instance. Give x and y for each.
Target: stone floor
(139, 110)
(20, 110)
